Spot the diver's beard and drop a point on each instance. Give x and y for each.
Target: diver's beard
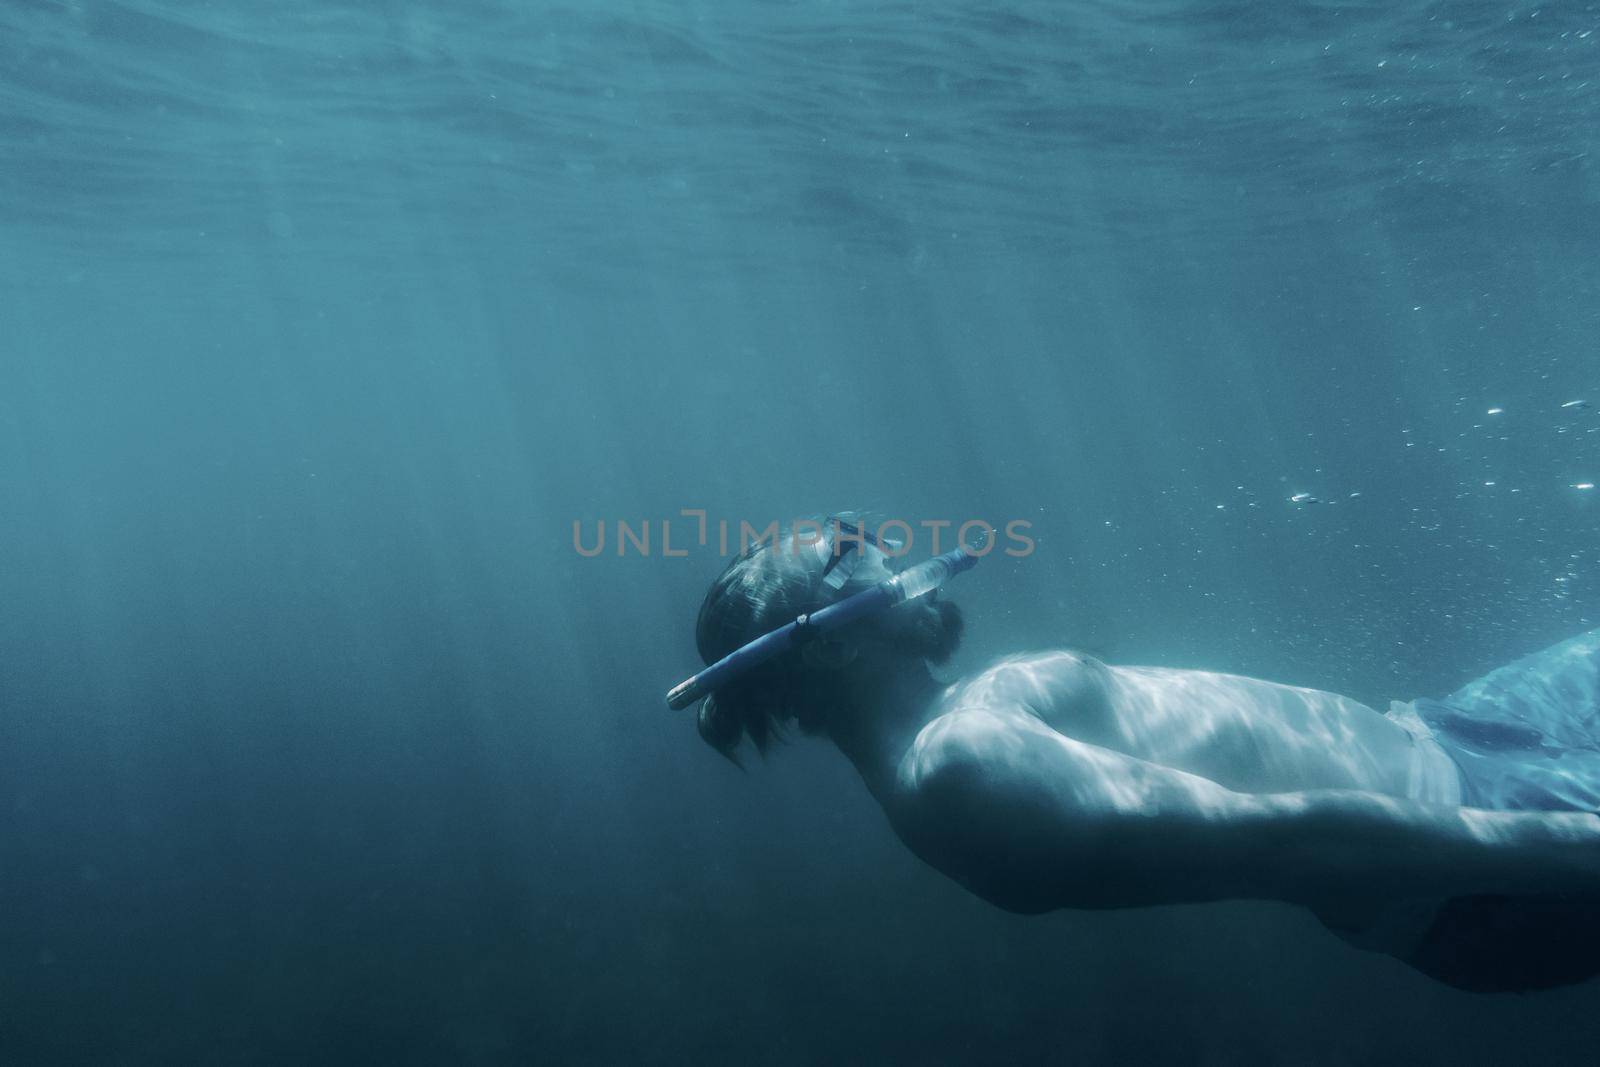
(951, 626)
(937, 633)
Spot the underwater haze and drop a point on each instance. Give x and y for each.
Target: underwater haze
(322, 323)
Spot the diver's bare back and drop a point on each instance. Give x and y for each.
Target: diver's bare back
(1249, 735)
(1053, 780)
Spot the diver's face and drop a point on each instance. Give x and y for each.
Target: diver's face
(927, 627)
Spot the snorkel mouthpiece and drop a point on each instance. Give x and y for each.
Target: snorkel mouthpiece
(907, 585)
(930, 574)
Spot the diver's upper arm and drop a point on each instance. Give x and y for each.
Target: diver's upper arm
(1033, 820)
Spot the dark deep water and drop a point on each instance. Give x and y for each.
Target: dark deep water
(320, 324)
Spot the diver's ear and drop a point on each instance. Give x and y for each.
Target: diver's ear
(828, 653)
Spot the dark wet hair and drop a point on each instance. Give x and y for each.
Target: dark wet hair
(765, 587)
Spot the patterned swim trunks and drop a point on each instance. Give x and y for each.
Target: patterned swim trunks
(1527, 736)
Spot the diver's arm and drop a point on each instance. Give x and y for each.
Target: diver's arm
(1032, 820)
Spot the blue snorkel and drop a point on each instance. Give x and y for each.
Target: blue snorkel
(908, 584)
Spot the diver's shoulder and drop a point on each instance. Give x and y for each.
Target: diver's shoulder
(1030, 679)
(958, 754)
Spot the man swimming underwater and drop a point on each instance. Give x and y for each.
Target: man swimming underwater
(1470, 850)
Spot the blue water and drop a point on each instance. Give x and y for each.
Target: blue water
(321, 324)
